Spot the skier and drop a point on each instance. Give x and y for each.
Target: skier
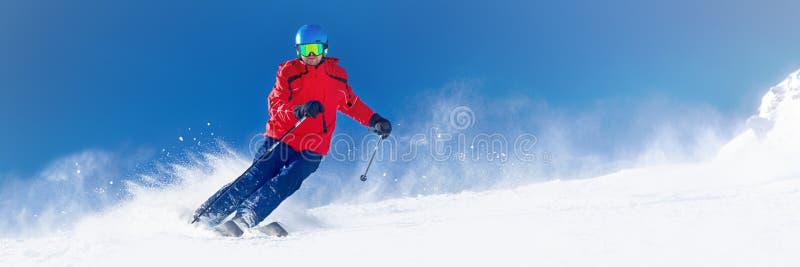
(311, 87)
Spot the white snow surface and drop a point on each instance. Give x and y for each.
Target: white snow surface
(740, 208)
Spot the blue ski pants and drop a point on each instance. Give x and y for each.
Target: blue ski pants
(267, 182)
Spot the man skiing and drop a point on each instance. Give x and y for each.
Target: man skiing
(302, 107)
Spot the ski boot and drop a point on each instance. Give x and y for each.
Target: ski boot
(233, 228)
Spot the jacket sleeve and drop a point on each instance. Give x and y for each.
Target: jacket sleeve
(280, 107)
(351, 105)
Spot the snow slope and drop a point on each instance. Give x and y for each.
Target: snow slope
(738, 209)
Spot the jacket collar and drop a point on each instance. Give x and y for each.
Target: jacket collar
(325, 60)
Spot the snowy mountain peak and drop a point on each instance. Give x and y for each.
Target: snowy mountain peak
(781, 102)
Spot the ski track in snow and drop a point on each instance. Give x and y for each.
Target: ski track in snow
(736, 209)
(572, 223)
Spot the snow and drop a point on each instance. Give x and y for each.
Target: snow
(738, 208)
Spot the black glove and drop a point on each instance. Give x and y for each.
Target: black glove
(310, 108)
(382, 126)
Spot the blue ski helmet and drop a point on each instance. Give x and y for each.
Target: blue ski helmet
(311, 34)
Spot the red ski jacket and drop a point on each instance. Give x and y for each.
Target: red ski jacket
(297, 83)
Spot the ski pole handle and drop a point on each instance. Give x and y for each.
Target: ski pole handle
(373, 130)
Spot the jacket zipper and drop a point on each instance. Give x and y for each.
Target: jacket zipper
(324, 123)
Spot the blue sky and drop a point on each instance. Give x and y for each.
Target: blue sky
(127, 75)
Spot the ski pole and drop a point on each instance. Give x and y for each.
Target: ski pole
(266, 154)
(374, 151)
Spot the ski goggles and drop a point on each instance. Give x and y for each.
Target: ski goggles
(307, 49)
